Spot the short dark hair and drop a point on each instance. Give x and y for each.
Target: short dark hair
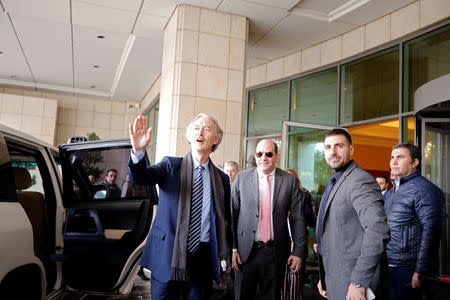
(414, 151)
(384, 177)
(111, 170)
(339, 131)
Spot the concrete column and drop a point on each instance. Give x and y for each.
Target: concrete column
(203, 70)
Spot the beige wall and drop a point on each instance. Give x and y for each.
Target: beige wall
(406, 20)
(28, 113)
(54, 117)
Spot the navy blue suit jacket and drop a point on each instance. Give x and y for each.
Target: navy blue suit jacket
(157, 255)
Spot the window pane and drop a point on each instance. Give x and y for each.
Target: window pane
(267, 109)
(314, 97)
(408, 129)
(425, 58)
(369, 87)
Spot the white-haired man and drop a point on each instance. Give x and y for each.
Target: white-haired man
(189, 244)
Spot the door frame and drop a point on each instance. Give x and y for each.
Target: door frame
(284, 136)
(422, 136)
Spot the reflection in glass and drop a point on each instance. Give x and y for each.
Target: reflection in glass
(267, 109)
(437, 169)
(369, 87)
(313, 98)
(152, 121)
(305, 156)
(424, 58)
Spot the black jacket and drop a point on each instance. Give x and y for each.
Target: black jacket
(414, 215)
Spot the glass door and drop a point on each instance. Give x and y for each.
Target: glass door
(436, 168)
(302, 150)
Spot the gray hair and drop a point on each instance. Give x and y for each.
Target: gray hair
(231, 164)
(217, 129)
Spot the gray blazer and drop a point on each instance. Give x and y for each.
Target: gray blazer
(355, 233)
(245, 214)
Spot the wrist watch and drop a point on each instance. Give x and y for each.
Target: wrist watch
(356, 285)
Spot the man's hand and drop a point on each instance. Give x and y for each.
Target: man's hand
(322, 292)
(315, 247)
(355, 293)
(295, 263)
(139, 135)
(416, 283)
(236, 261)
(225, 279)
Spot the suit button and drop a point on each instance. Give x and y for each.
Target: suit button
(257, 215)
(254, 231)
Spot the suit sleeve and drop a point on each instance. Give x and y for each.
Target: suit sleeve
(297, 221)
(235, 209)
(367, 201)
(141, 173)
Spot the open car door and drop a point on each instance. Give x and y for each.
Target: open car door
(104, 231)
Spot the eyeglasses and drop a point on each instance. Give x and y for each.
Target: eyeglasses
(268, 154)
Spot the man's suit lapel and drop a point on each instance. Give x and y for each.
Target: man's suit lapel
(338, 184)
(254, 185)
(278, 183)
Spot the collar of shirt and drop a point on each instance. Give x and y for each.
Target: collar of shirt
(205, 165)
(261, 175)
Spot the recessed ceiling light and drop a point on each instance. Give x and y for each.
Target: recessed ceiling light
(13, 76)
(100, 36)
(96, 66)
(92, 86)
(1, 52)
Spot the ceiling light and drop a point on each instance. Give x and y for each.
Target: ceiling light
(1, 52)
(96, 66)
(92, 86)
(13, 76)
(100, 36)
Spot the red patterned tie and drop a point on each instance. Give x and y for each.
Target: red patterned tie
(264, 230)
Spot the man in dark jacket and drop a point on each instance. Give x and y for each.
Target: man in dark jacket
(414, 211)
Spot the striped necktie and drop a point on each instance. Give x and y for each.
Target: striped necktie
(196, 211)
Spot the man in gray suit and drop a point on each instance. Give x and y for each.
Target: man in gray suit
(261, 199)
(351, 231)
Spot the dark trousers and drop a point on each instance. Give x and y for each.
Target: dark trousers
(401, 278)
(200, 279)
(261, 270)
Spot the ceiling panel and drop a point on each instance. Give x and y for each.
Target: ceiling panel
(51, 10)
(151, 27)
(90, 51)
(12, 61)
(130, 5)
(325, 6)
(295, 33)
(262, 18)
(285, 4)
(166, 7)
(47, 46)
(142, 68)
(102, 18)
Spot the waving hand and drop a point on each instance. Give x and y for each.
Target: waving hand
(139, 135)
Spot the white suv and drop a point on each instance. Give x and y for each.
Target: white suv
(60, 235)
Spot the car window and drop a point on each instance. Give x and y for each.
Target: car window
(105, 173)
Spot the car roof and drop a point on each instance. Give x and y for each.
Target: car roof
(19, 135)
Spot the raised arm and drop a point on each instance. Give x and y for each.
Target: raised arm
(139, 134)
